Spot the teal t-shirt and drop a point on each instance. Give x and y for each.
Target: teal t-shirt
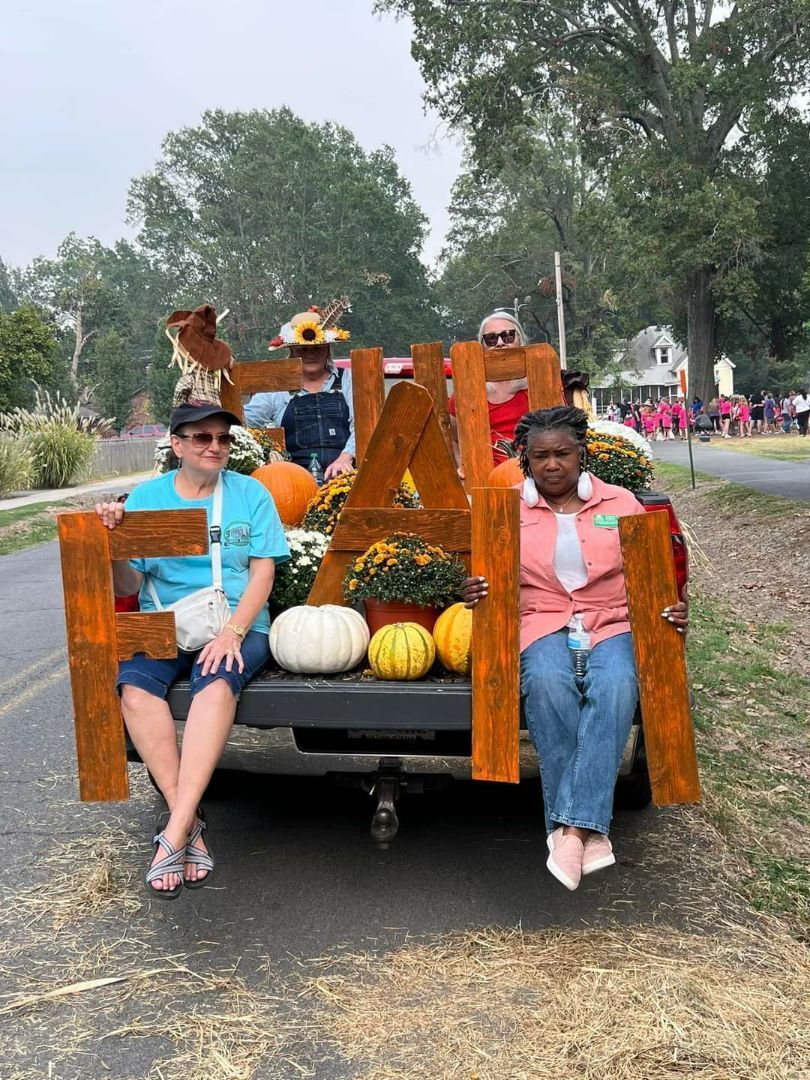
(251, 529)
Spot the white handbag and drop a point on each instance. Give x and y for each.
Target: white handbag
(200, 616)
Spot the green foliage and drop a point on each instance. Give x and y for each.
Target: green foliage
(295, 578)
(61, 442)
(161, 379)
(27, 354)
(8, 300)
(16, 466)
(325, 506)
(265, 214)
(617, 460)
(115, 377)
(660, 95)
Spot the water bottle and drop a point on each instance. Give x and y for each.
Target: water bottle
(315, 468)
(579, 642)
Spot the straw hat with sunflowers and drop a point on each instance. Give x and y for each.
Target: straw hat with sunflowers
(317, 326)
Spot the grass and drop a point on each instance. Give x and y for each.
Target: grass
(778, 447)
(753, 749)
(26, 526)
(722, 494)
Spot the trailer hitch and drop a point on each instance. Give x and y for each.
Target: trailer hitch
(385, 823)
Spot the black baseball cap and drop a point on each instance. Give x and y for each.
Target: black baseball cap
(191, 414)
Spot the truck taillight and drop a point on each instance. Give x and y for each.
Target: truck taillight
(680, 553)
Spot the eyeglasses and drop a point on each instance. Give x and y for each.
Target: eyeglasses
(202, 439)
(491, 340)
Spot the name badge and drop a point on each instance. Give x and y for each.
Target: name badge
(606, 521)
(332, 431)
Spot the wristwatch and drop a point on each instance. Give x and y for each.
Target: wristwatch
(237, 629)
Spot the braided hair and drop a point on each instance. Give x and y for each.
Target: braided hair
(561, 418)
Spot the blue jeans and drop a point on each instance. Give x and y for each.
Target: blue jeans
(156, 676)
(579, 726)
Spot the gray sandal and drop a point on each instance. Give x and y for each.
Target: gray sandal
(203, 860)
(171, 863)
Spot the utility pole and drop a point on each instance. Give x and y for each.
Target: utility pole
(560, 309)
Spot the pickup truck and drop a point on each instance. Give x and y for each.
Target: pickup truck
(389, 737)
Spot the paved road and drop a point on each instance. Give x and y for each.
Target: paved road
(790, 479)
(297, 875)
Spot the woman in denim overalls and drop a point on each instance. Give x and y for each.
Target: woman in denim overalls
(319, 418)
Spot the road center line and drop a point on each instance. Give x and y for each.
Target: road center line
(32, 691)
(27, 673)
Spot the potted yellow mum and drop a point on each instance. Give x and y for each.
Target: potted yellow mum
(403, 578)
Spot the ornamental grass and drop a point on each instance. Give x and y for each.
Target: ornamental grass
(403, 568)
(325, 507)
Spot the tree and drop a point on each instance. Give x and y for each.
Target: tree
(506, 225)
(161, 379)
(116, 378)
(27, 353)
(264, 214)
(661, 90)
(8, 301)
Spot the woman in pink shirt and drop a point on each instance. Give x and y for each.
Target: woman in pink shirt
(664, 411)
(571, 569)
(649, 420)
(679, 419)
(725, 415)
(744, 417)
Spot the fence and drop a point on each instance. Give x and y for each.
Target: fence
(120, 457)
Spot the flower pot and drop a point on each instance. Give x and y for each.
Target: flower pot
(381, 613)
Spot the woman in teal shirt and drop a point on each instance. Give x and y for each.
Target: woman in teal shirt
(252, 542)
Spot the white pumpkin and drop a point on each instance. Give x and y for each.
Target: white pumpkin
(319, 640)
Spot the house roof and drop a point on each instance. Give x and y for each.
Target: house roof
(641, 349)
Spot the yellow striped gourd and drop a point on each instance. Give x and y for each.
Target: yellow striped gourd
(401, 651)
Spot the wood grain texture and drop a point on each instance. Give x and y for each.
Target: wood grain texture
(327, 588)
(660, 659)
(368, 393)
(496, 643)
(428, 371)
(279, 434)
(150, 632)
(359, 528)
(504, 365)
(391, 448)
(472, 412)
(231, 397)
(545, 379)
(267, 376)
(434, 471)
(152, 534)
(92, 657)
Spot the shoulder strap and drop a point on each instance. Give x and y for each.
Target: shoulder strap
(338, 374)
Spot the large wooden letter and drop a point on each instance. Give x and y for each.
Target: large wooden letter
(660, 659)
(496, 642)
(97, 638)
(368, 394)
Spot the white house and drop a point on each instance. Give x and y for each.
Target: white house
(654, 363)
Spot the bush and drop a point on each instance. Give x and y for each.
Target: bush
(404, 567)
(294, 578)
(16, 466)
(60, 441)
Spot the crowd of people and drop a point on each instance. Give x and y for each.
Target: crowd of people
(727, 415)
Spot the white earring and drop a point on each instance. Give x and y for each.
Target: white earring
(584, 485)
(531, 496)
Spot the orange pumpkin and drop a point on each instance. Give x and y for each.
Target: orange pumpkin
(507, 474)
(291, 487)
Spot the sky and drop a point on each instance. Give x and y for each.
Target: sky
(89, 88)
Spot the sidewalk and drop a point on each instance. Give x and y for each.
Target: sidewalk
(118, 484)
(790, 479)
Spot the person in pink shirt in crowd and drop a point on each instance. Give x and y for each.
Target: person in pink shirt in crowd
(571, 569)
(649, 420)
(679, 419)
(725, 415)
(744, 417)
(664, 412)
(630, 421)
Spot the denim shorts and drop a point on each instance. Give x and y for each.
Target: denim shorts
(156, 676)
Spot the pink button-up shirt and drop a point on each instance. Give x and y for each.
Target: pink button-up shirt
(545, 606)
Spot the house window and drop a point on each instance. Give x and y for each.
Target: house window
(664, 355)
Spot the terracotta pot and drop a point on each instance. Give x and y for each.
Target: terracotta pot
(381, 613)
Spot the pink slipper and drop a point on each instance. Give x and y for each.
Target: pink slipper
(565, 858)
(598, 854)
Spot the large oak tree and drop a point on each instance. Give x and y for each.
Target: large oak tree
(662, 91)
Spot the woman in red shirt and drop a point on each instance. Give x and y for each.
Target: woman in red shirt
(508, 401)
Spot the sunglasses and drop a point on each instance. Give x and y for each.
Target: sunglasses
(491, 340)
(202, 439)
